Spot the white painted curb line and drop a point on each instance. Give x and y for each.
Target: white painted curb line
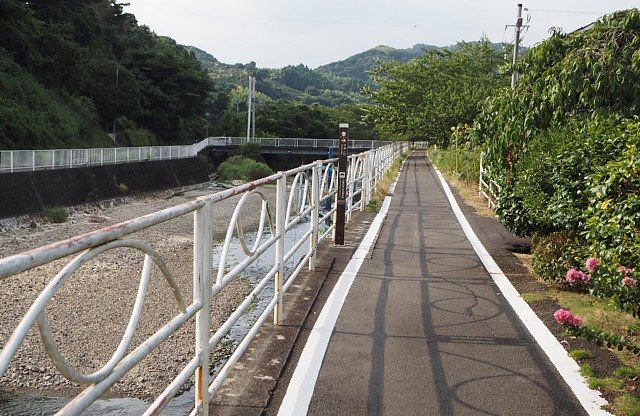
(566, 366)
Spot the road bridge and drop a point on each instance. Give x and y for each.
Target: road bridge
(286, 146)
(32, 160)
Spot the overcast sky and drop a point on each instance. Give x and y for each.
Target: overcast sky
(276, 33)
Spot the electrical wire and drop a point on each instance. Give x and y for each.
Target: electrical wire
(562, 11)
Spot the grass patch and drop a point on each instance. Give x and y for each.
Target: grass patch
(626, 405)
(56, 215)
(586, 370)
(384, 183)
(605, 384)
(534, 297)
(626, 372)
(596, 383)
(580, 354)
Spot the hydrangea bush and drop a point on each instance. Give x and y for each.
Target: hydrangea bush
(619, 284)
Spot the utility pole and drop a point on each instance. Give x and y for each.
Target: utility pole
(251, 109)
(249, 105)
(516, 46)
(115, 115)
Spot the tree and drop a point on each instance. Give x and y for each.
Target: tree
(429, 95)
(588, 73)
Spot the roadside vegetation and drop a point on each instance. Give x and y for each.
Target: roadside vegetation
(385, 182)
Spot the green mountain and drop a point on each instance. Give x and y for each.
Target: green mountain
(358, 66)
(333, 84)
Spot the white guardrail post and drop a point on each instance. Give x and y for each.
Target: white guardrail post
(281, 207)
(202, 272)
(316, 173)
(366, 180)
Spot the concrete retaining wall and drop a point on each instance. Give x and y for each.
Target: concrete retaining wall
(30, 192)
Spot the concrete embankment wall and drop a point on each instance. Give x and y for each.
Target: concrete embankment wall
(25, 193)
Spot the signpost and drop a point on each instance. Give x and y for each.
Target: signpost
(342, 183)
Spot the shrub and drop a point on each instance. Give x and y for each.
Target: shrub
(552, 255)
(523, 206)
(251, 150)
(240, 167)
(611, 226)
(56, 215)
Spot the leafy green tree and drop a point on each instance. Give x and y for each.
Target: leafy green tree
(113, 89)
(593, 72)
(426, 96)
(544, 139)
(91, 52)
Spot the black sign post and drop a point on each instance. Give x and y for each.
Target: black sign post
(342, 182)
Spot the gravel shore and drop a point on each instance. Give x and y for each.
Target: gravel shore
(90, 312)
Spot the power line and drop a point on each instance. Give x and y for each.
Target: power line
(562, 11)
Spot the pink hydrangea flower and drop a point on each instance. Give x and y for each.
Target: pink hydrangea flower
(574, 276)
(624, 270)
(565, 317)
(629, 281)
(592, 264)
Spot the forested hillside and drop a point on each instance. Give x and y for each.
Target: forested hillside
(74, 70)
(333, 84)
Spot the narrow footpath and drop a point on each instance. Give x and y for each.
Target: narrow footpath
(423, 330)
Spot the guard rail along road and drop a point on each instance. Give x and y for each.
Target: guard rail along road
(32, 160)
(302, 196)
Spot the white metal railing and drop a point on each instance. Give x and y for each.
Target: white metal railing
(289, 142)
(487, 187)
(32, 160)
(300, 195)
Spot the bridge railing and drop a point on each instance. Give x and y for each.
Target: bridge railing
(300, 196)
(290, 142)
(32, 160)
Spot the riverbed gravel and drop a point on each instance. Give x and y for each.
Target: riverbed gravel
(90, 312)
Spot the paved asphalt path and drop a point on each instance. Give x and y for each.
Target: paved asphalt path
(425, 331)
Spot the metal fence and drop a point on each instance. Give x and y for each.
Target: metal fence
(487, 187)
(301, 195)
(32, 160)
